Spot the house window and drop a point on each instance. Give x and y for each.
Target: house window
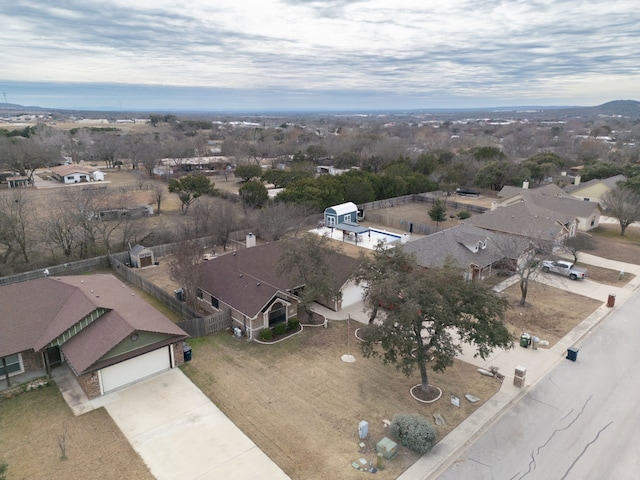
(200, 294)
(278, 314)
(214, 302)
(331, 221)
(14, 365)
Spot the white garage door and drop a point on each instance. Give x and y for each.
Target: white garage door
(351, 294)
(135, 369)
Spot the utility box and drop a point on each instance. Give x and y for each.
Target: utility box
(363, 429)
(387, 448)
(519, 376)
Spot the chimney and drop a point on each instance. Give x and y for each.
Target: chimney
(525, 185)
(251, 240)
(576, 181)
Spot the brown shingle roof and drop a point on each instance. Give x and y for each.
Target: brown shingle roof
(27, 309)
(54, 305)
(247, 279)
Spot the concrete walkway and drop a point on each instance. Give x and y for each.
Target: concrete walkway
(176, 429)
(538, 364)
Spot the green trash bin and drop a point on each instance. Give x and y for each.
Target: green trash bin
(525, 340)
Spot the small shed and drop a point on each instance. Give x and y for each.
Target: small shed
(345, 212)
(141, 257)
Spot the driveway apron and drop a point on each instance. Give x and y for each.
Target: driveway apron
(180, 433)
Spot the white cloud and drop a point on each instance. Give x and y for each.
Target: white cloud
(555, 49)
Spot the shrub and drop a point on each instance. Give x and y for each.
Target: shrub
(293, 324)
(280, 328)
(266, 334)
(414, 432)
(462, 214)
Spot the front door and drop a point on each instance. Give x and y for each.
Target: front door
(54, 357)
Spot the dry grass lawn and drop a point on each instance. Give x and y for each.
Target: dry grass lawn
(31, 423)
(549, 313)
(302, 405)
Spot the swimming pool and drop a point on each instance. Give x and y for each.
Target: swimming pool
(384, 236)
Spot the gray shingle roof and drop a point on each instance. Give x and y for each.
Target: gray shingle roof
(457, 243)
(553, 198)
(524, 219)
(610, 182)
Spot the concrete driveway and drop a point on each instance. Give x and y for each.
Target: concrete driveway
(181, 434)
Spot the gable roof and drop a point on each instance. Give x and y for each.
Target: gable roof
(610, 182)
(58, 304)
(63, 170)
(248, 279)
(524, 219)
(550, 197)
(137, 250)
(465, 244)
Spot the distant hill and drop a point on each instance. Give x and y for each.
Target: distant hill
(626, 108)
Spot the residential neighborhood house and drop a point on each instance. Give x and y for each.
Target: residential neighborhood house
(552, 198)
(247, 284)
(73, 173)
(478, 251)
(527, 220)
(593, 190)
(99, 327)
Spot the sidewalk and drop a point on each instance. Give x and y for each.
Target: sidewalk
(538, 364)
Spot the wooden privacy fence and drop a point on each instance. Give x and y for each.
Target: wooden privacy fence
(401, 224)
(374, 211)
(156, 292)
(71, 268)
(203, 326)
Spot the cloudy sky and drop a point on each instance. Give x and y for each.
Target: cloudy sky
(314, 54)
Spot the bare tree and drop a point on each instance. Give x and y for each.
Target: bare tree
(622, 204)
(228, 218)
(15, 215)
(178, 150)
(108, 148)
(521, 257)
(277, 218)
(158, 194)
(579, 243)
(185, 269)
(60, 229)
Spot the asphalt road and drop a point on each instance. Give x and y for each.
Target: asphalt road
(582, 421)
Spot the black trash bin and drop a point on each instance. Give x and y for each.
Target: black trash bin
(572, 354)
(186, 349)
